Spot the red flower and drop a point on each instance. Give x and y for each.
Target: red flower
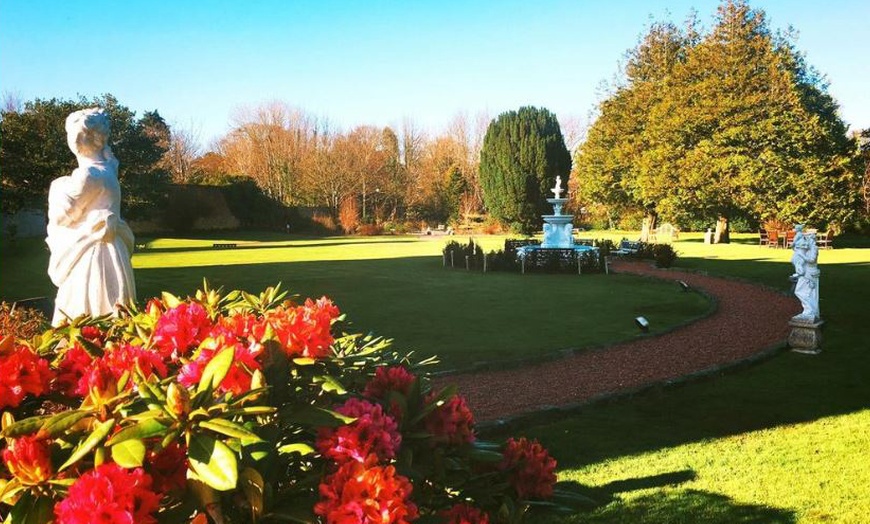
(238, 379)
(465, 514)
(73, 367)
(93, 334)
(168, 468)
(180, 329)
(80, 375)
(126, 357)
(28, 459)
(372, 433)
(451, 422)
(357, 494)
(531, 470)
(243, 326)
(303, 330)
(387, 379)
(109, 494)
(99, 382)
(22, 373)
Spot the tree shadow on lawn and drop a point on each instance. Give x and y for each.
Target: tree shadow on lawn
(681, 507)
(245, 244)
(786, 389)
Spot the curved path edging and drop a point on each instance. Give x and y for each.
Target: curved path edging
(749, 324)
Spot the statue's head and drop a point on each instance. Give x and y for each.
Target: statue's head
(87, 133)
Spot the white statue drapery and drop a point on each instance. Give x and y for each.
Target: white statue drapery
(806, 275)
(90, 244)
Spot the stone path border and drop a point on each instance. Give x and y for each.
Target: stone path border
(750, 322)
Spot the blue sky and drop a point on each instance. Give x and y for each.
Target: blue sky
(373, 62)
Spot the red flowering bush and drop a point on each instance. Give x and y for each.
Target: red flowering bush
(28, 459)
(388, 379)
(243, 409)
(22, 373)
(358, 493)
(465, 514)
(371, 433)
(109, 494)
(180, 329)
(451, 421)
(532, 472)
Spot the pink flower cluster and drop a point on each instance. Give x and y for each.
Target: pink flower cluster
(109, 494)
(531, 470)
(28, 459)
(80, 375)
(22, 373)
(452, 422)
(365, 493)
(372, 433)
(303, 331)
(465, 514)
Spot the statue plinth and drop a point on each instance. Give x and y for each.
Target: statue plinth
(806, 335)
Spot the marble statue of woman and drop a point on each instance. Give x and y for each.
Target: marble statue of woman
(90, 244)
(806, 275)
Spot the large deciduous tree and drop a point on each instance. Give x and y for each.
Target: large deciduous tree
(736, 125)
(522, 154)
(34, 151)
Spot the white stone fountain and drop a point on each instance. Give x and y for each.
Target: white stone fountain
(558, 229)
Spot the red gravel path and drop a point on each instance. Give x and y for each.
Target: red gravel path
(749, 319)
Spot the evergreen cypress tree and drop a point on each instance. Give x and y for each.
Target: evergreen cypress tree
(523, 152)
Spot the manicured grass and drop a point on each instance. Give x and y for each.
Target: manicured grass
(783, 441)
(397, 287)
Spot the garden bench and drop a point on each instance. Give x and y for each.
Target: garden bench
(225, 245)
(825, 240)
(627, 247)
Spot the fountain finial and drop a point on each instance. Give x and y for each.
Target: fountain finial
(557, 190)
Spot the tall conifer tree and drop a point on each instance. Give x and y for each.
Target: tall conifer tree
(523, 152)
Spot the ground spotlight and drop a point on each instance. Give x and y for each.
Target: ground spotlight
(685, 287)
(642, 323)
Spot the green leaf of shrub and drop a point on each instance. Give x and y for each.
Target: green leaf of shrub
(101, 432)
(140, 430)
(213, 462)
(61, 422)
(31, 510)
(298, 447)
(216, 369)
(129, 453)
(312, 416)
(26, 426)
(331, 385)
(253, 485)
(483, 455)
(170, 300)
(230, 429)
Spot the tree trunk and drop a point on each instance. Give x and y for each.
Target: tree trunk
(722, 235)
(649, 224)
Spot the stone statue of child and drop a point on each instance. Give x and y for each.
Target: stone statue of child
(806, 275)
(557, 190)
(90, 244)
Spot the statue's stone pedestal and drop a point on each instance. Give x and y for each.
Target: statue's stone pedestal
(805, 336)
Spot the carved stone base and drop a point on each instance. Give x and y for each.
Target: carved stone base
(805, 336)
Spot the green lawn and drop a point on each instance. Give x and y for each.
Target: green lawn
(397, 287)
(783, 441)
